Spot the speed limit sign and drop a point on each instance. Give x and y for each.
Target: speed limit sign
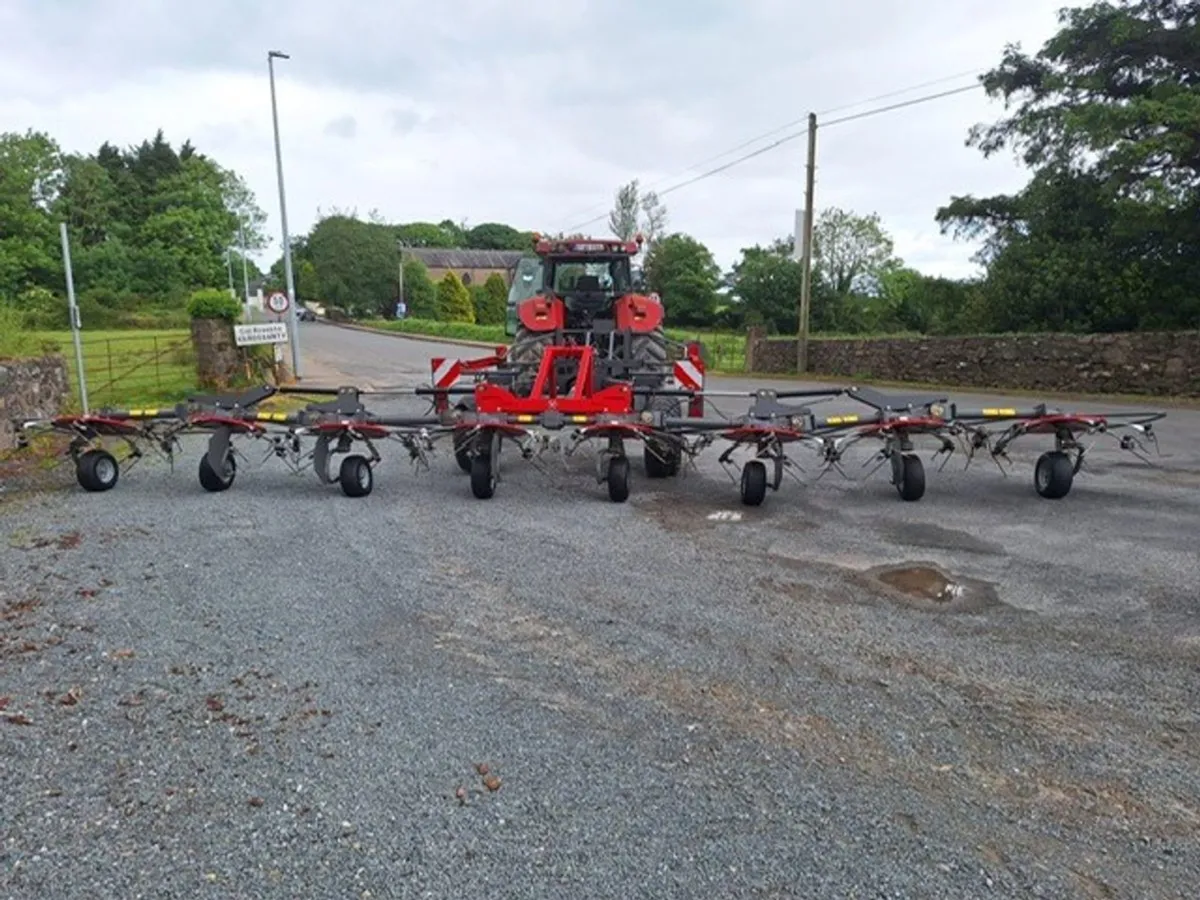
(278, 303)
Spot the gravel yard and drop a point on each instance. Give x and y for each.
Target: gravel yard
(279, 691)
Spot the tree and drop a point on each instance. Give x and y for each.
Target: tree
(684, 273)
(355, 264)
(419, 292)
(424, 234)
(240, 202)
(654, 222)
(767, 288)
(493, 306)
(1106, 115)
(454, 301)
(30, 180)
(497, 236)
(623, 219)
(851, 251)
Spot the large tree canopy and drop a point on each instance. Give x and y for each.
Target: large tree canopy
(149, 224)
(1106, 235)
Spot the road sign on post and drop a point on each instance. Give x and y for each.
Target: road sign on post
(260, 333)
(278, 303)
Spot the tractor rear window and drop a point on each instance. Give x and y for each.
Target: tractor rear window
(610, 276)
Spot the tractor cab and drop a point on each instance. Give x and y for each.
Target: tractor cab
(589, 276)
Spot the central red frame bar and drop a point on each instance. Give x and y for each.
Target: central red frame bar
(544, 396)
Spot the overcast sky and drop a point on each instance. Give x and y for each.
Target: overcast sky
(533, 112)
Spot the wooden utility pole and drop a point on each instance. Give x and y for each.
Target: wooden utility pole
(806, 283)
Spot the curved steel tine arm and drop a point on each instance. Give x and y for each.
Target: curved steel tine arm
(947, 447)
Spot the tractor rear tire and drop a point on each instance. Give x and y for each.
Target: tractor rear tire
(526, 350)
(649, 351)
(662, 460)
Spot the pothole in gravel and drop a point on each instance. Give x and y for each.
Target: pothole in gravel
(929, 587)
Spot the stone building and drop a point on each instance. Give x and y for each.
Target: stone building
(472, 266)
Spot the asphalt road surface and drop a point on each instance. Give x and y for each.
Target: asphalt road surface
(280, 691)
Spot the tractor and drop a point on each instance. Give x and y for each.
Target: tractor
(577, 292)
(587, 291)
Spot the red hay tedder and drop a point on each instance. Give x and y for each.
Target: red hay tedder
(590, 362)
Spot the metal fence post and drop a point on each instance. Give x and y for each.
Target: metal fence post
(73, 310)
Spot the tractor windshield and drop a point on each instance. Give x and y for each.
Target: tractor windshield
(610, 276)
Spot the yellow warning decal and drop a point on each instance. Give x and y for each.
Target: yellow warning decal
(995, 411)
(841, 420)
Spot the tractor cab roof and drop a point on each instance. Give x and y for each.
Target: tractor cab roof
(586, 248)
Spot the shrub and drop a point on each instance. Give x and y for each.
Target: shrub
(454, 301)
(214, 303)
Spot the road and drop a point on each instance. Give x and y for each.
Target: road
(279, 690)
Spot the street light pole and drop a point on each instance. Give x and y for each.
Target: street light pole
(287, 244)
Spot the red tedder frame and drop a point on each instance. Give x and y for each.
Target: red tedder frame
(582, 400)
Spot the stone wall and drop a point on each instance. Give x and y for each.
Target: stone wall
(30, 389)
(1157, 363)
(218, 361)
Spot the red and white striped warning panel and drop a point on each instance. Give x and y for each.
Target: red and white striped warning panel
(688, 374)
(446, 371)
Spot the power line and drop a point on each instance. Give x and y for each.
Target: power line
(792, 124)
(791, 137)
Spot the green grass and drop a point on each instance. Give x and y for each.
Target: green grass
(462, 331)
(127, 367)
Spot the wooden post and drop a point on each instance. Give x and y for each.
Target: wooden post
(806, 283)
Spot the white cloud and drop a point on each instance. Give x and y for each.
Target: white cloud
(534, 113)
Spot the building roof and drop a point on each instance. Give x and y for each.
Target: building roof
(442, 258)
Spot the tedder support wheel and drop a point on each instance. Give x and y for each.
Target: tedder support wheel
(97, 470)
(618, 479)
(1053, 475)
(754, 482)
(910, 483)
(483, 478)
(213, 481)
(356, 476)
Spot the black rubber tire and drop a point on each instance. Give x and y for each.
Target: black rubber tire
(754, 483)
(483, 479)
(213, 482)
(660, 461)
(1053, 475)
(618, 479)
(526, 350)
(97, 470)
(911, 486)
(649, 351)
(355, 476)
